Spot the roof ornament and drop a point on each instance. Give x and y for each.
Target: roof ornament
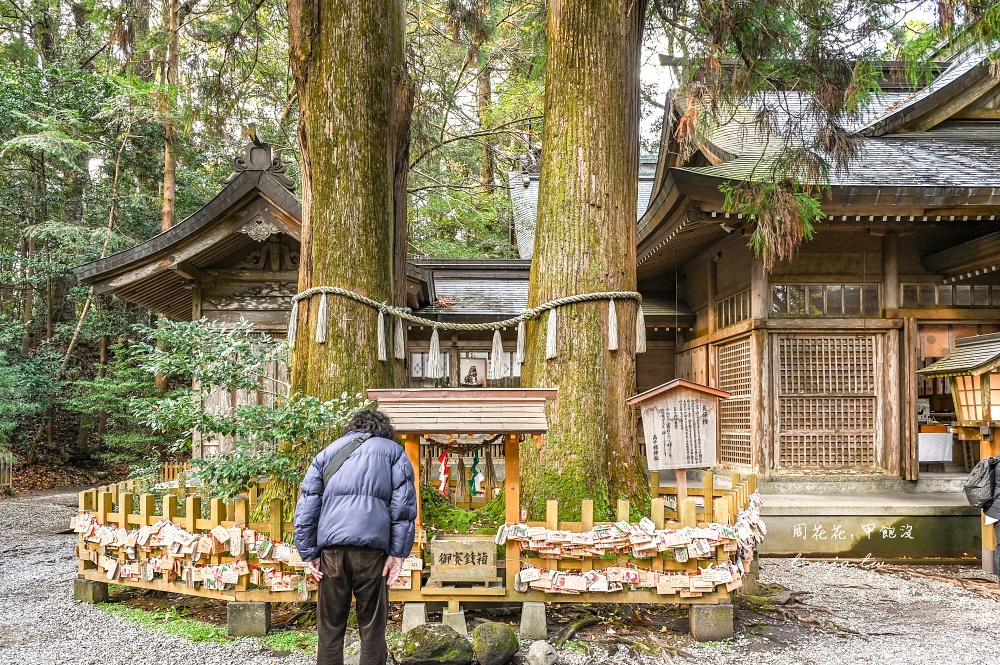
(260, 157)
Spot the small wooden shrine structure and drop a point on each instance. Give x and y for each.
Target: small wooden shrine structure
(973, 370)
(515, 413)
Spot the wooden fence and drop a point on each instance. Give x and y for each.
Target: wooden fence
(118, 505)
(725, 504)
(121, 505)
(6, 472)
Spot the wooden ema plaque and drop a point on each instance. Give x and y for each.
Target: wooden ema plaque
(680, 424)
(463, 559)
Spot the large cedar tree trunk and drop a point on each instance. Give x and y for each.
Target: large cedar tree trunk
(341, 54)
(585, 242)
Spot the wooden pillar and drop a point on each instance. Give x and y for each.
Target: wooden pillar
(411, 444)
(195, 300)
(760, 292)
(512, 505)
(911, 345)
(890, 270)
(713, 279)
(891, 404)
(760, 403)
(988, 449)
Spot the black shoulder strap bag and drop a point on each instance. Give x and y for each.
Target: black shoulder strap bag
(333, 466)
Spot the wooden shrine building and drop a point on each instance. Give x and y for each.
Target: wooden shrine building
(821, 354)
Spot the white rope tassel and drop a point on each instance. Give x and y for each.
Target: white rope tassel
(435, 368)
(399, 352)
(550, 336)
(321, 319)
(640, 331)
(383, 352)
(612, 326)
(519, 350)
(293, 324)
(498, 368)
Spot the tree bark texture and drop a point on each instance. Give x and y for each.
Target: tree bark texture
(169, 161)
(585, 242)
(342, 58)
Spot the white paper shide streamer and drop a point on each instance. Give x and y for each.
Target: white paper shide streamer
(612, 326)
(321, 320)
(399, 352)
(498, 368)
(435, 366)
(640, 331)
(519, 350)
(383, 352)
(550, 337)
(293, 324)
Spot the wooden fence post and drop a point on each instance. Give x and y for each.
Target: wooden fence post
(623, 510)
(192, 513)
(169, 507)
(275, 519)
(104, 503)
(126, 502)
(147, 508)
(586, 524)
(721, 507)
(689, 512)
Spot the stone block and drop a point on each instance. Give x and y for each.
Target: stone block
(456, 621)
(89, 591)
(533, 626)
(248, 619)
(414, 614)
(711, 623)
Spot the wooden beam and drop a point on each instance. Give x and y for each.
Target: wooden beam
(512, 504)
(760, 291)
(191, 272)
(954, 105)
(713, 280)
(911, 344)
(890, 270)
(891, 403)
(759, 401)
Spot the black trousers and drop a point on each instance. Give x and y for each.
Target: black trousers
(352, 571)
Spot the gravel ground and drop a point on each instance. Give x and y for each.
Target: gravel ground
(41, 624)
(895, 620)
(866, 616)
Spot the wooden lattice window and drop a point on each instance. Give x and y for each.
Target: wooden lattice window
(950, 295)
(827, 400)
(832, 300)
(970, 397)
(733, 362)
(733, 309)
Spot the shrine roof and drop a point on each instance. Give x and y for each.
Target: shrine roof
(673, 385)
(523, 188)
(972, 356)
(465, 410)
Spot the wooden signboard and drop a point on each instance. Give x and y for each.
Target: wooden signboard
(680, 425)
(463, 559)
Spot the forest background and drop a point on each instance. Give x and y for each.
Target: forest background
(118, 118)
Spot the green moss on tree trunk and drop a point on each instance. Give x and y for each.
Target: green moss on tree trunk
(585, 241)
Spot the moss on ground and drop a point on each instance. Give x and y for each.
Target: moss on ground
(171, 622)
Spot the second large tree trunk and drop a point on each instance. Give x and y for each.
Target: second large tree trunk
(341, 55)
(585, 242)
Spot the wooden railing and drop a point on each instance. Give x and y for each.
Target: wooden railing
(118, 504)
(724, 508)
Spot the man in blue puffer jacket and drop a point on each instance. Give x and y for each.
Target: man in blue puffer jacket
(354, 533)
